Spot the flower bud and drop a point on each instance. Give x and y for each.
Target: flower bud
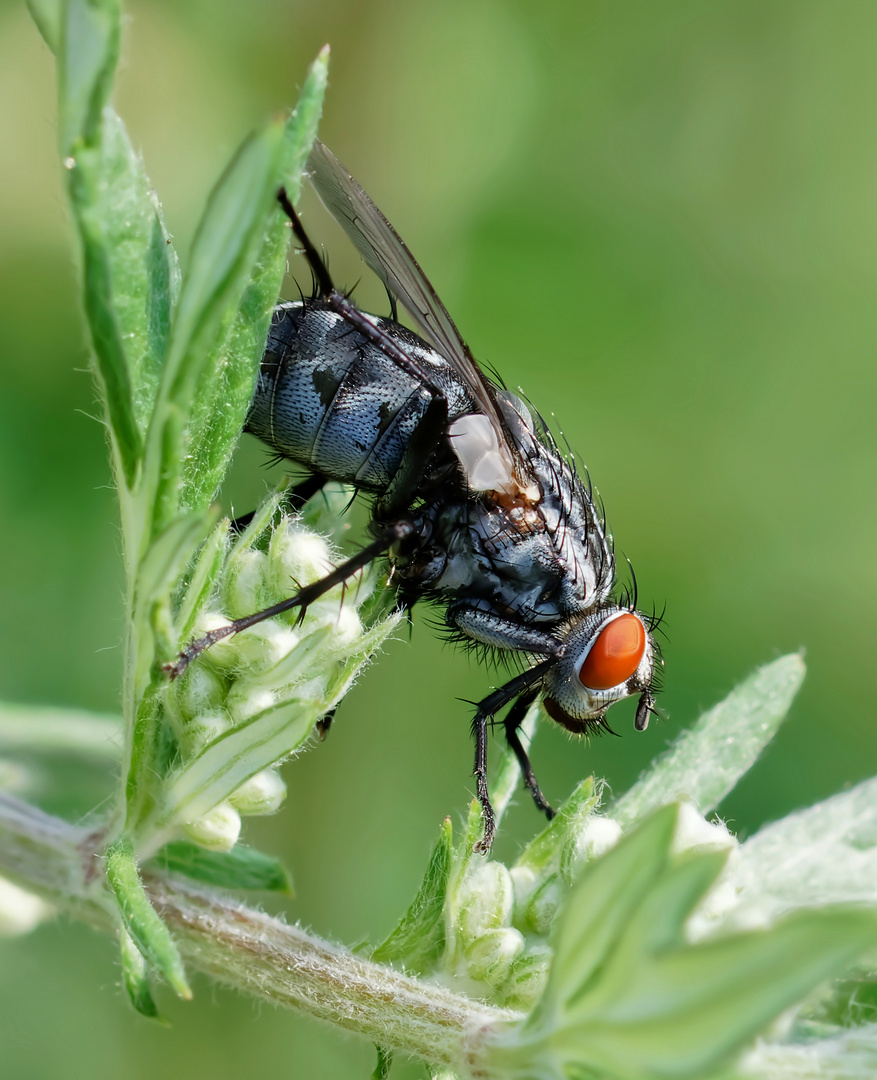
(244, 588)
(296, 558)
(202, 691)
(694, 832)
(20, 911)
(345, 624)
(261, 794)
(594, 839)
(485, 900)
(224, 653)
(543, 906)
(489, 958)
(202, 731)
(263, 645)
(217, 830)
(527, 978)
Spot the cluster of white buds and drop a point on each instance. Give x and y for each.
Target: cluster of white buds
(281, 675)
(503, 917)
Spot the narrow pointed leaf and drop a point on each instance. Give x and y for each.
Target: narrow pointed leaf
(223, 254)
(139, 918)
(222, 400)
(169, 555)
(601, 903)
(546, 846)
(135, 976)
(47, 16)
(241, 868)
(86, 65)
(88, 52)
(129, 265)
(419, 937)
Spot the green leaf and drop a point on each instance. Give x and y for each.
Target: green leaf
(140, 919)
(222, 401)
(824, 854)
(202, 582)
(545, 848)
(86, 66)
(135, 976)
(241, 868)
(605, 898)
(169, 554)
(418, 939)
(47, 16)
(129, 266)
(629, 997)
(708, 760)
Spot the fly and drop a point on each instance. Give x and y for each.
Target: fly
(472, 501)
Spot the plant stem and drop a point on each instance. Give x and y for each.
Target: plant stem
(254, 952)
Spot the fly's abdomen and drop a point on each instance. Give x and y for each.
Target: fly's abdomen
(328, 398)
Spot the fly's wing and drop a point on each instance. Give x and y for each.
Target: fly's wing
(388, 256)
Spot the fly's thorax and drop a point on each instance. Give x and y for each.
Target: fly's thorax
(609, 654)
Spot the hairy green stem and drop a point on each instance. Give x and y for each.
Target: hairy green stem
(254, 952)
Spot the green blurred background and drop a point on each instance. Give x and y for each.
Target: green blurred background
(659, 218)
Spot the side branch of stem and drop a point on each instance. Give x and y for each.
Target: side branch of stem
(253, 952)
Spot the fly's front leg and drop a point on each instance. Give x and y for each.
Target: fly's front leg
(483, 624)
(488, 708)
(391, 534)
(512, 724)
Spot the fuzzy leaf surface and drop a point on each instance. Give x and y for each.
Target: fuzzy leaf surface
(707, 761)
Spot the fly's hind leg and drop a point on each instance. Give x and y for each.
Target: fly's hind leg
(348, 311)
(432, 425)
(396, 532)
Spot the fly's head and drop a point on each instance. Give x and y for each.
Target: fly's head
(609, 654)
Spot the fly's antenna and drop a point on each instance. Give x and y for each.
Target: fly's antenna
(633, 598)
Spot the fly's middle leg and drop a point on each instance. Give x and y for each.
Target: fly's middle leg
(520, 685)
(512, 724)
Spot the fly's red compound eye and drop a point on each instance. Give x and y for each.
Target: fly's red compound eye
(616, 653)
